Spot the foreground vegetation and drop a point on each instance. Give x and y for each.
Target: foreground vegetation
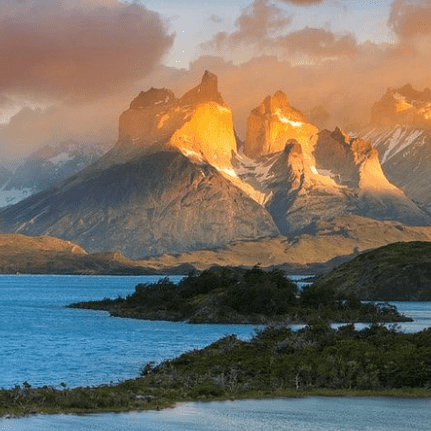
(241, 296)
(396, 272)
(277, 362)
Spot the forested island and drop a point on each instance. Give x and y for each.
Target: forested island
(277, 362)
(234, 295)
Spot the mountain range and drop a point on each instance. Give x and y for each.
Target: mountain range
(401, 132)
(179, 181)
(46, 167)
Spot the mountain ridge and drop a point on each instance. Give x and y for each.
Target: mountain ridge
(176, 182)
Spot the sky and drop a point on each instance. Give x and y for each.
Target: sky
(70, 67)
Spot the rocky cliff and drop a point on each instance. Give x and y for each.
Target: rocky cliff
(400, 131)
(273, 123)
(175, 182)
(403, 105)
(160, 189)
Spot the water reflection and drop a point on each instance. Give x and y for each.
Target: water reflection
(313, 413)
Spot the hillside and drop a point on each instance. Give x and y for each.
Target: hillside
(325, 245)
(48, 255)
(400, 271)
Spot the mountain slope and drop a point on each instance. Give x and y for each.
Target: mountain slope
(396, 272)
(47, 167)
(175, 182)
(308, 176)
(401, 132)
(327, 245)
(147, 206)
(405, 154)
(155, 191)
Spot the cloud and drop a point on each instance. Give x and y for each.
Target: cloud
(303, 2)
(255, 24)
(261, 26)
(32, 128)
(77, 49)
(5, 102)
(409, 19)
(317, 42)
(216, 19)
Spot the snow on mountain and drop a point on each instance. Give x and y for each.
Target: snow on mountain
(401, 132)
(46, 167)
(176, 182)
(405, 155)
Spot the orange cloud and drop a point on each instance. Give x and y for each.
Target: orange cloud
(77, 49)
(317, 42)
(253, 26)
(411, 18)
(303, 2)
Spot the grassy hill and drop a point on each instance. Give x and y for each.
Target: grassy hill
(400, 271)
(48, 255)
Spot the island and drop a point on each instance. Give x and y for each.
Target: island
(236, 295)
(277, 362)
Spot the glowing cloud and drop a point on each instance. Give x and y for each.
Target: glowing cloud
(77, 49)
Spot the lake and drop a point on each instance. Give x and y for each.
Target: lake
(44, 343)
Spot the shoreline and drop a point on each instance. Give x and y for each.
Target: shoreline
(157, 405)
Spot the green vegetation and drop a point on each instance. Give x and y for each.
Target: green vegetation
(396, 272)
(230, 295)
(277, 362)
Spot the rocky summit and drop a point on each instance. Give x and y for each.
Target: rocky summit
(156, 191)
(176, 182)
(400, 131)
(403, 105)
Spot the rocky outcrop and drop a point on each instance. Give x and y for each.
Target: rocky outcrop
(354, 162)
(342, 176)
(272, 124)
(403, 106)
(401, 133)
(175, 182)
(199, 124)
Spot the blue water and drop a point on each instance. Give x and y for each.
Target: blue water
(303, 414)
(44, 343)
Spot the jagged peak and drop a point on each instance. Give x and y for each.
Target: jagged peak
(153, 97)
(410, 93)
(278, 106)
(362, 150)
(273, 123)
(340, 135)
(206, 91)
(403, 105)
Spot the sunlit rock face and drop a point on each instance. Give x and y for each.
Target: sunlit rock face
(175, 181)
(405, 155)
(272, 124)
(166, 187)
(354, 163)
(199, 124)
(404, 106)
(400, 131)
(138, 124)
(350, 161)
